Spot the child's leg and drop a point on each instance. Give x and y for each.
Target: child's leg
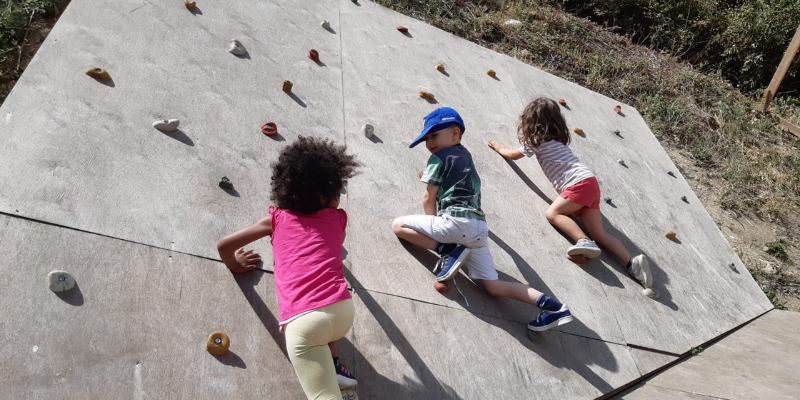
(417, 238)
(593, 220)
(557, 215)
(512, 290)
(334, 347)
(307, 342)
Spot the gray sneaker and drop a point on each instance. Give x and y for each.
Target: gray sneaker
(585, 247)
(640, 270)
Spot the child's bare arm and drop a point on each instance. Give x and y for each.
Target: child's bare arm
(429, 199)
(511, 154)
(240, 260)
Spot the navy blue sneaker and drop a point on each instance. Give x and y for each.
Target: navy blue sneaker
(452, 262)
(344, 377)
(546, 321)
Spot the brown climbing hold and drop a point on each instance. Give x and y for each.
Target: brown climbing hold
(577, 130)
(313, 55)
(189, 5)
(287, 86)
(218, 344)
(402, 29)
(577, 259)
(670, 235)
(617, 109)
(562, 102)
(98, 73)
(491, 73)
(269, 129)
(426, 95)
(440, 67)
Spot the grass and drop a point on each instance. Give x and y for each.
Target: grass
(699, 114)
(778, 250)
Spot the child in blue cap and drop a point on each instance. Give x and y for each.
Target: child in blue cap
(454, 226)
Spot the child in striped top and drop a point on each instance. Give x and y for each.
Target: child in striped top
(543, 133)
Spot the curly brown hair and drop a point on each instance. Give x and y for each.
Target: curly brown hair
(309, 173)
(540, 122)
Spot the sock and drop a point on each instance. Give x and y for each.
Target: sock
(547, 303)
(444, 248)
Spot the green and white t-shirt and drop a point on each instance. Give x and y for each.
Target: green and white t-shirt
(452, 170)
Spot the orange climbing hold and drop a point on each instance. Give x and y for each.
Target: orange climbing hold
(670, 235)
(189, 5)
(313, 55)
(402, 29)
(440, 67)
(98, 73)
(617, 109)
(287, 86)
(577, 130)
(269, 129)
(218, 344)
(562, 102)
(491, 73)
(441, 287)
(426, 95)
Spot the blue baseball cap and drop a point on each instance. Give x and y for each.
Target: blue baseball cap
(438, 119)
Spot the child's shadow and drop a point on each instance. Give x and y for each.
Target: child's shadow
(247, 284)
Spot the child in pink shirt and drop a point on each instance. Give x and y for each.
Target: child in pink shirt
(307, 230)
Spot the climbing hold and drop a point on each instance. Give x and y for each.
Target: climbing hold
(621, 161)
(420, 175)
(189, 5)
(426, 95)
(440, 67)
(167, 125)
(577, 259)
(617, 133)
(402, 29)
(441, 287)
(491, 73)
(650, 293)
(607, 200)
(287, 86)
(367, 130)
(684, 199)
(672, 174)
(670, 235)
(269, 129)
(325, 25)
(562, 102)
(225, 183)
(577, 130)
(236, 48)
(98, 73)
(218, 344)
(733, 268)
(617, 109)
(60, 281)
(532, 335)
(313, 55)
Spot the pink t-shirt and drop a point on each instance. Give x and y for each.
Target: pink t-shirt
(307, 249)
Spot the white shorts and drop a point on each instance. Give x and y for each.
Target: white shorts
(472, 233)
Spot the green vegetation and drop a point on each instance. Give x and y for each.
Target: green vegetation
(778, 250)
(701, 114)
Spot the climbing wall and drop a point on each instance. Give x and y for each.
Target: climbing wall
(134, 213)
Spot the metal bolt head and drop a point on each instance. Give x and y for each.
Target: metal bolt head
(217, 341)
(62, 278)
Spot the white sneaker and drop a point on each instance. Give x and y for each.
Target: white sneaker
(585, 247)
(640, 270)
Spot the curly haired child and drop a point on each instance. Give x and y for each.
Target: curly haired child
(307, 230)
(543, 133)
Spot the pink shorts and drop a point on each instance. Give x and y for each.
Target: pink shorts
(585, 193)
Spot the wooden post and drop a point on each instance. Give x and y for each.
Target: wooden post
(791, 51)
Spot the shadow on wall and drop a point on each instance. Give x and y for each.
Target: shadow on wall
(372, 385)
(660, 278)
(247, 284)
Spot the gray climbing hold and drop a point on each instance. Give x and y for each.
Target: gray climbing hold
(650, 293)
(621, 161)
(326, 24)
(167, 125)
(368, 130)
(236, 48)
(607, 200)
(60, 281)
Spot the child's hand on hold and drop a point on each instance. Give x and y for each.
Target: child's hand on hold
(495, 146)
(245, 261)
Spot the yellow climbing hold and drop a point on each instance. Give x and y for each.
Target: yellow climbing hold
(577, 130)
(98, 73)
(440, 67)
(426, 95)
(670, 235)
(218, 344)
(491, 73)
(189, 5)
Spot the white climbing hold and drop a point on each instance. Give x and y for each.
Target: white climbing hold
(236, 48)
(621, 161)
(60, 281)
(513, 22)
(167, 125)
(368, 130)
(650, 293)
(326, 24)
